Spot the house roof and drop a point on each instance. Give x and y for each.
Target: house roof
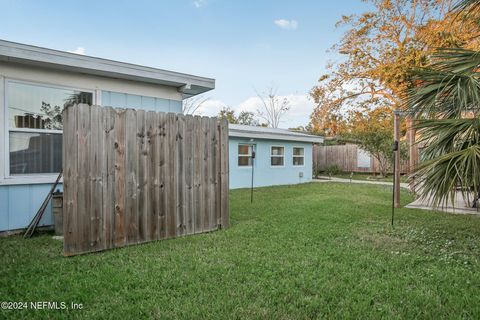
(188, 85)
(243, 131)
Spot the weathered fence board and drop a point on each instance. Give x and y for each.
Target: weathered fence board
(346, 158)
(133, 176)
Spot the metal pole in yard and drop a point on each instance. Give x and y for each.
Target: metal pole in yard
(251, 188)
(396, 161)
(395, 146)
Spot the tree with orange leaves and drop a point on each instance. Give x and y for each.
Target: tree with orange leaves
(380, 50)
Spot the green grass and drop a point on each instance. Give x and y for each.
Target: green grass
(320, 250)
(367, 176)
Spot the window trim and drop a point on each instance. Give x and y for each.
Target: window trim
(249, 155)
(34, 178)
(297, 156)
(277, 156)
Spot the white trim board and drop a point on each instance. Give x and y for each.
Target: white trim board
(5, 177)
(243, 131)
(3, 112)
(298, 156)
(271, 136)
(277, 156)
(187, 84)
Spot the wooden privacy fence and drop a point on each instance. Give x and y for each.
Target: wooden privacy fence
(132, 176)
(348, 158)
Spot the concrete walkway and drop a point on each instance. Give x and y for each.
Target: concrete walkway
(461, 206)
(334, 179)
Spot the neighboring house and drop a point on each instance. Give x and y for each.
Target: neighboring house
(281, 156)
(35, 84)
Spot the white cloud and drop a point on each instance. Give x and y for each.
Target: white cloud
(286, 24)
(79, 50)
(299, 114)
(210, 108)
(199, 3)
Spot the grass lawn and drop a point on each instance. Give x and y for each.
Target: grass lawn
(307, 251)
(367, 176)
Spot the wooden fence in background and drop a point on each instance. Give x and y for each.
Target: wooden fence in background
(347, 158)
(132, 176)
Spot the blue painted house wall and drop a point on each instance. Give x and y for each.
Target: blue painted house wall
(264, 173)
(19, 204)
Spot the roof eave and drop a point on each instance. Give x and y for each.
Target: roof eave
(275, 136)
(188, 85)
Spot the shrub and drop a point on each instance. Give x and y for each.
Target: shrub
(316, 172)
(332, 170)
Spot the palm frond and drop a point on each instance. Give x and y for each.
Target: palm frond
(450, 159)
(447, 135)
(446, 99)
(455, 60)
(439, 178)
(449, 87)
(467, 5)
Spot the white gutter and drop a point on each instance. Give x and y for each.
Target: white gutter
(275, 136)
(60, 60)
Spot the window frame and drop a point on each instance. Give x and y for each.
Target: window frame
(277, 156)
(297, 156)
(249, 155)
(29, 178)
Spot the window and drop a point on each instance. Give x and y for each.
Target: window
(276, 156)
(298, 156)
(245, 155)
(363, 159)
(32, 152)
(34, 114)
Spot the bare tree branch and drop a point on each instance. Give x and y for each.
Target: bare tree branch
(191, 105)
(273, 107)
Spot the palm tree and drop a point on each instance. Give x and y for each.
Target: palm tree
(446, 104)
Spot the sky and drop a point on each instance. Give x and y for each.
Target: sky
(247, 46)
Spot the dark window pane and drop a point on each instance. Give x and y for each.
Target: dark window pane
(35, 153)
(40, 107)
(298, 161)
(244, 161)
(298, 151)
(277, 161)
(243, 149)
(277, 151)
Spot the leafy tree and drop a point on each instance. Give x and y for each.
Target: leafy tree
(372, 130)
(228, 114)
(298, 129)
(379, 51)
(245, 117)
(53, 116)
